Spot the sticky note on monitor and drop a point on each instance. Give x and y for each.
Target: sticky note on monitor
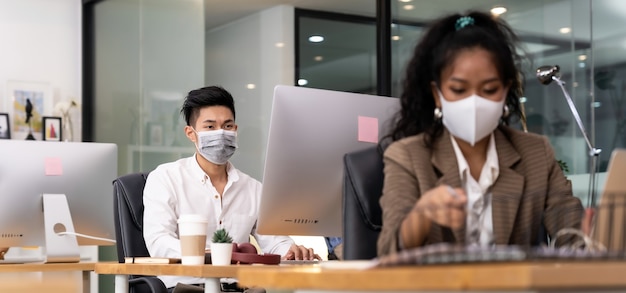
(53, 167)
(368, 129)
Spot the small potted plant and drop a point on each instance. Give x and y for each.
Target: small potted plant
(221, 247)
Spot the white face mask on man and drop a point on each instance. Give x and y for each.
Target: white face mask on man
(217, 146)
(471, 119)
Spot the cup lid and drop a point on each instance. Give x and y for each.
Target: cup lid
(185, 218)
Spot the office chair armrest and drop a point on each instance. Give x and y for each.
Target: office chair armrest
(155, 284)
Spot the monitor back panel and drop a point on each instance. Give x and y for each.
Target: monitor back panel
(610, 226)
(82, 171)
(310, 131)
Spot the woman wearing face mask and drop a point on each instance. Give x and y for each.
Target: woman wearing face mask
(455, 172)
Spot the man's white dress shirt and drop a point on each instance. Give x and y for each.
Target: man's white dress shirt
(181, 187)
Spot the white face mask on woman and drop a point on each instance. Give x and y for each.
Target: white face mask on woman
(217, 146)
(471, 119)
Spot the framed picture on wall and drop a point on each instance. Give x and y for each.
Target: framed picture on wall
(27, 103)
(5, 126)
(52, 128)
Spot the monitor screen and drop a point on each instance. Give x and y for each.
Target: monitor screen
(310, 132)
(83, 172)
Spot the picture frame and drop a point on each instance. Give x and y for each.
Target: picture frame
(52, 130)
(37, 97)
(5, 126)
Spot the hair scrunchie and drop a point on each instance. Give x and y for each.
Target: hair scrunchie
(463, 21)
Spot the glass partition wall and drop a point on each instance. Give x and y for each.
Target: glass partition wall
(585, 38)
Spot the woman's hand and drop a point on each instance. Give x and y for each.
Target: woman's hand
(300, 252)
(587, 221)
(444, 205)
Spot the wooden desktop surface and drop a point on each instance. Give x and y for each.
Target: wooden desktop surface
(15, 281)
(493, 276)
(46, 267)
(201, 271)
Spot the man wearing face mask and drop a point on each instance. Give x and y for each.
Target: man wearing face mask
(207, 184)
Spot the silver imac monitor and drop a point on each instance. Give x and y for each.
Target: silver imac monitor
(310, 132)
(43, 183)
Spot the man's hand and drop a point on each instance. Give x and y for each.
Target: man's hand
(300, 252)
(3, 250)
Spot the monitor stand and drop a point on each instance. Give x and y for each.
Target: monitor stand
(57, 218)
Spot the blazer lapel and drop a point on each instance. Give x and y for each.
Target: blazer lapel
(507, 190)
(444, 159)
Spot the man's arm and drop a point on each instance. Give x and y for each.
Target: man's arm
(159, 217)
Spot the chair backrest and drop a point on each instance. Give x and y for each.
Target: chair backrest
(128, 201)
(362, 215)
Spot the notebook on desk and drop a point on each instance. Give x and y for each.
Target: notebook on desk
(610, 222)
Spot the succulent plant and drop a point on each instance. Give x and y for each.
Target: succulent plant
(222, 236)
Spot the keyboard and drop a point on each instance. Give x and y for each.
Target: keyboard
(444, 253)
(299, 262)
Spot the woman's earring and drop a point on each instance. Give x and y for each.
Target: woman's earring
(506, 112)
(438, 114)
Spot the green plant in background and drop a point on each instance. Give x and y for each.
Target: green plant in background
(563, 166)
(221, 236)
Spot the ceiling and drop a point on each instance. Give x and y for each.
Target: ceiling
(220, 12)
(543, 17)
(538, 20)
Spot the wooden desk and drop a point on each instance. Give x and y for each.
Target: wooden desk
(212, 274)
(57, 285)
(497, 276)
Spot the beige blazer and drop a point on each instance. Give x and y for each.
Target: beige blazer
(531, 189)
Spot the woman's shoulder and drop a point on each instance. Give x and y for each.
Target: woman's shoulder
(528, 144)
(521, 138)
(409, 145)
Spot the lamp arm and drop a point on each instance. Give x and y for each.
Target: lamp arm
(592, 151)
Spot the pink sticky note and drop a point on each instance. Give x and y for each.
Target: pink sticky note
(53, 167)
(368, 129)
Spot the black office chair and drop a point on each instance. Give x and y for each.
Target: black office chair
(362, 215)
(128, 201)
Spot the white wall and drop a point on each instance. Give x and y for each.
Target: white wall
(41, 42)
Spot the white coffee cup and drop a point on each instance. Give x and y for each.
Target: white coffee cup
(192, 229)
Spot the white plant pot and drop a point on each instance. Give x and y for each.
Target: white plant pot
(221, 253)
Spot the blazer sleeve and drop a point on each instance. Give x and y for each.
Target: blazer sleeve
(400, 193)
(562, 210)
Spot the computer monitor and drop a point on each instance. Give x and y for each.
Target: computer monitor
(610, 225)
(310, 132)
(76, 179)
